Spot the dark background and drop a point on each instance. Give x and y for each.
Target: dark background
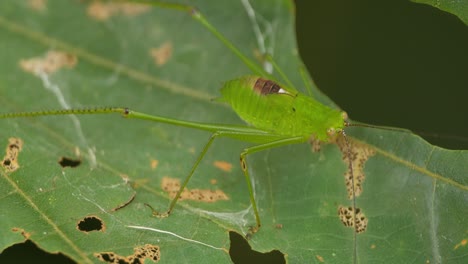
(390, 62)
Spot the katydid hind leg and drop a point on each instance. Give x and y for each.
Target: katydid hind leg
(186, 180)
(246, 136)
(243, 162)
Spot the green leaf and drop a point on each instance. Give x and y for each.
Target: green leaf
(414, 195)
(458, 8)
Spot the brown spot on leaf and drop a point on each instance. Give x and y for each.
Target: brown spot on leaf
(104, 10)
(279, 226)
(10, 161)
(137, 183)
(162, 54)
(25, 234)
(154, 163)
(91, 223)
(38, 5)
(223, 165)
(140, 254)
(346, 215)
(359, 154)
(172, 186)
(69, 162)
(50, 63)
(462, 243)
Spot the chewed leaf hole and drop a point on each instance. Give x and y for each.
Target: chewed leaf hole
(69, 162)
(91, 223)
(10, 161)
(140, 255)
(241, 252)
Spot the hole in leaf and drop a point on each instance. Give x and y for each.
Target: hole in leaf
(10, 161)
(91, 223)
(69, 162)
(28, 252)
(140, 255)
(241, 252)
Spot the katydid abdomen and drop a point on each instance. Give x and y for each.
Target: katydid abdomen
(269, 106)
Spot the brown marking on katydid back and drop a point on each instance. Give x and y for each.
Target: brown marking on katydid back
(265, 87)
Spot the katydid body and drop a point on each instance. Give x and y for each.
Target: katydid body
(281, 110)
(279, 115)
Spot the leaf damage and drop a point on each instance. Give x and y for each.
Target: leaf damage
(37, 5)
(320, 258)
(23, 232)
(359, 154)
(102, 11)
(140, 254)
(162, 54)
(154, 164)
(10, 160)
(69, 162)
(462, 243)
(51, 62)
(120, 206)
(91, 223)
(223, 165)
(172, 186)
(346, 215)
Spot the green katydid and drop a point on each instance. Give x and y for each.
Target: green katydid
(278, 113)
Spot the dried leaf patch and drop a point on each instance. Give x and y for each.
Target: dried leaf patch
(38, 5)
(51, 62)
(172, 186)
(359, 154)
(154, 163)
(104, 10)
(23, 232)
(346, 215)
(223, 165)
(462, 243)
(162, 54)
(10, 161)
